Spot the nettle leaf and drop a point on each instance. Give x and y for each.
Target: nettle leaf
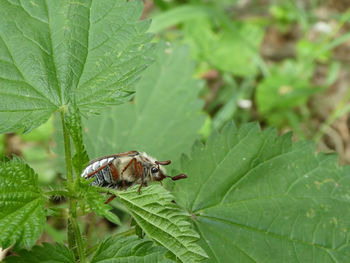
(256, 197)
(163, 221)
(165, 118)
(129, 249)
(22, 212)
(56, 52)
(95, 201)
(58, 253)
(73, 122)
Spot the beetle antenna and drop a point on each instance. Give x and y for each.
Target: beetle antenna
(163, 163)
(177, 177)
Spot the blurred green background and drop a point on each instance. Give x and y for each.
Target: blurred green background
(281, 63)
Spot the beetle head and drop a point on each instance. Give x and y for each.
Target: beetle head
(161, 172)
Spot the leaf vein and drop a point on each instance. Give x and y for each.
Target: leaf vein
(58, 86)
(109, 64)
(87, 46)
(216, 167)
(32, 40)
(269, 233)
(26, 11)
(25, 80)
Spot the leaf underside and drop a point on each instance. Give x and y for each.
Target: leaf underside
(164, 119)
(256, 197)
(22, 213)
(95, 201)
(73, 122)
(53, 53)
(129, 249)
(58, 253)
(163, 221)
(113, 249)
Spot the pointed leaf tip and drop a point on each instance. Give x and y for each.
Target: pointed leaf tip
(163, 221)
(22, 213)
(256, 195)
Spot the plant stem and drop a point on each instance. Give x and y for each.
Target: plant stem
(126, 233)
(67, 151)
(58, 193)
(78, 239)
(73, 231)
(341, 109)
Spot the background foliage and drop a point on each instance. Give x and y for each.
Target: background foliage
(252, 194)
(166, 107)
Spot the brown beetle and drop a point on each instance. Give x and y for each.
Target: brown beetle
(123, 170)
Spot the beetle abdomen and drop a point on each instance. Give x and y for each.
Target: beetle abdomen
(101, 171)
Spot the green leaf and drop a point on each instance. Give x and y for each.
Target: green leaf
(264, 199)
(58, 253)
(22, 213)
(129, 249)
(234, 49)
(178, 15)
(73, 122)
(165, 118)
(53, 53)
(96, 203)
(163, 221)
(287, 87)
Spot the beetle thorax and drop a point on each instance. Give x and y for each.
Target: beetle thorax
(149, 163)
(129, 169)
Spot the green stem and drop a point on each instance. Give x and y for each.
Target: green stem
(341, 109)
(78, 239)
(127, 233)
(103, 189)
(73, 231)
(67, 151)
(59, 193)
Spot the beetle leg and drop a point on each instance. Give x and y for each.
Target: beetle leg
(97, 170)
(136, 171)
(114, 171)
(139, 189)
(141, 171)
(110, 199)
(127, 166)
(142, 176)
